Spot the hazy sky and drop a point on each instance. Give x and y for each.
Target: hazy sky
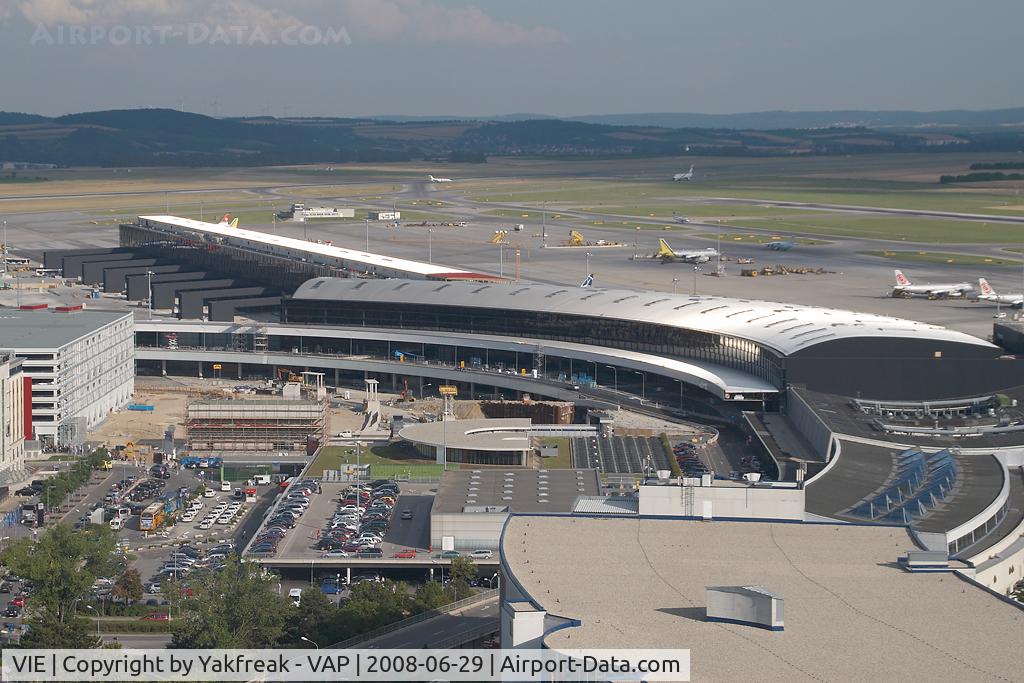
(478, 57)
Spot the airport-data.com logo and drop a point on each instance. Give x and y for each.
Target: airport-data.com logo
(123, 35)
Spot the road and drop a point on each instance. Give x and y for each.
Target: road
(442, 628)
(141, 641)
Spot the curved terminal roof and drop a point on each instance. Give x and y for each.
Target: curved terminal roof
(314, 252)
(786, 328)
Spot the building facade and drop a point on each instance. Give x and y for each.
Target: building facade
(81, 364)
(12, 418)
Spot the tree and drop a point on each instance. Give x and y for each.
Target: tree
(128, 586)
(237, 607)
(64, 565)
(430, 596)
(462, 571)
(315, 611)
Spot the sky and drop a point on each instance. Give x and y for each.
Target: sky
(485, 57)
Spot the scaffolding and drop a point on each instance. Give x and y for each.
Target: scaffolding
(254, 425)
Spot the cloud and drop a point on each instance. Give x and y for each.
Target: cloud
(108, 12)
(431, 21)
(427, 21)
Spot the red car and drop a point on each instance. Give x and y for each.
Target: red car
(157, 616)
(407, 554)
(19, 601)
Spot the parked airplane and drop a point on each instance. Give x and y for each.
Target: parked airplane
(784, 245)
(588, 281)
(439, 180)
(228, 222)
(989, 294)
(679, 219)
(669, 255)
(684, 176)
(905, 288)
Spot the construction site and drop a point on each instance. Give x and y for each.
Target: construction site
(255, 425)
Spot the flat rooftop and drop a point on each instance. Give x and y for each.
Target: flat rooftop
(503, 434)
(850, 613)
(841, 418)
(514, 490)
(48, 328)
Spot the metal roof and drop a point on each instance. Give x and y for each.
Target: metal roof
(24, 330)
(503, 490)
(786, 328)
(240, 236)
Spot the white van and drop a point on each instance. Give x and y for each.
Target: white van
(225, 486)
(261, 479)
(295, 594)
(117, 523)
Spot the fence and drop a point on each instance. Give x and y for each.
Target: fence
(422, 616)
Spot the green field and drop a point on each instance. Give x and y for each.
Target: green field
(564, 459)
(759, 238)
(896, 228)
(336, 457)
(943, 258)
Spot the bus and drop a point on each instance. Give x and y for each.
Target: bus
(48, 272)
(17, 261)
(152, 517)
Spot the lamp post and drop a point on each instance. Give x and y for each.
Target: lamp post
(544, 224)
(615, 375)
(310, 641)
(501, 260)
(367, 223)
(96, 619)
(5, 248)
(430, 245)
(422, 388)
(587, 274)
(149, 284)
(643, 385)
(696, 269)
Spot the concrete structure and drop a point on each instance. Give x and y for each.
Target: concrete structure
(300, 212)
(737, 349)
(851, 611)
(270, 425)
(270, 260)
(478, 442)
(384, 215)
(472, 506)
(12, 418)
(722, 499)
(750, 605)
(82, 365)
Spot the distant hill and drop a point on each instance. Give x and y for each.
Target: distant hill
(772, 120)
(166, 137)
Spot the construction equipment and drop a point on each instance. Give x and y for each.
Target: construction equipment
(575, 240)
(286, 374)
(402, 356)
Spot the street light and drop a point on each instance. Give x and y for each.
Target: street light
(643, 385)
(149, 283)
(96, 619)
(696, 269)
(367, 222)
(422, 388)
(310, 641)
(675, 283)
(430, 245)
(501, 260)
(615, 374)
(587, 274)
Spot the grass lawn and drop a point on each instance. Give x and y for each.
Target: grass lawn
(893, 229)
(335, 457)
(941, 257)
(758, 238)
(564, 459)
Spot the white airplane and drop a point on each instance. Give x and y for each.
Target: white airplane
(905, 288)
(438, 180)
(989, 294)
(228, 222)
(679, 219)
(669, 255)
(684, 176)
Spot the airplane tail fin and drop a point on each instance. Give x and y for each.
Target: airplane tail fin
(233, 223)
(430, 177)
(901, 279)
(985, 287)
(664, 249)
(691, 169)
(588, 281)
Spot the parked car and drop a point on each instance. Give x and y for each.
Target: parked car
(370, 553)
(406, 554)
(450, 554)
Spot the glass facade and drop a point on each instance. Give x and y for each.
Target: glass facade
(661, 340)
